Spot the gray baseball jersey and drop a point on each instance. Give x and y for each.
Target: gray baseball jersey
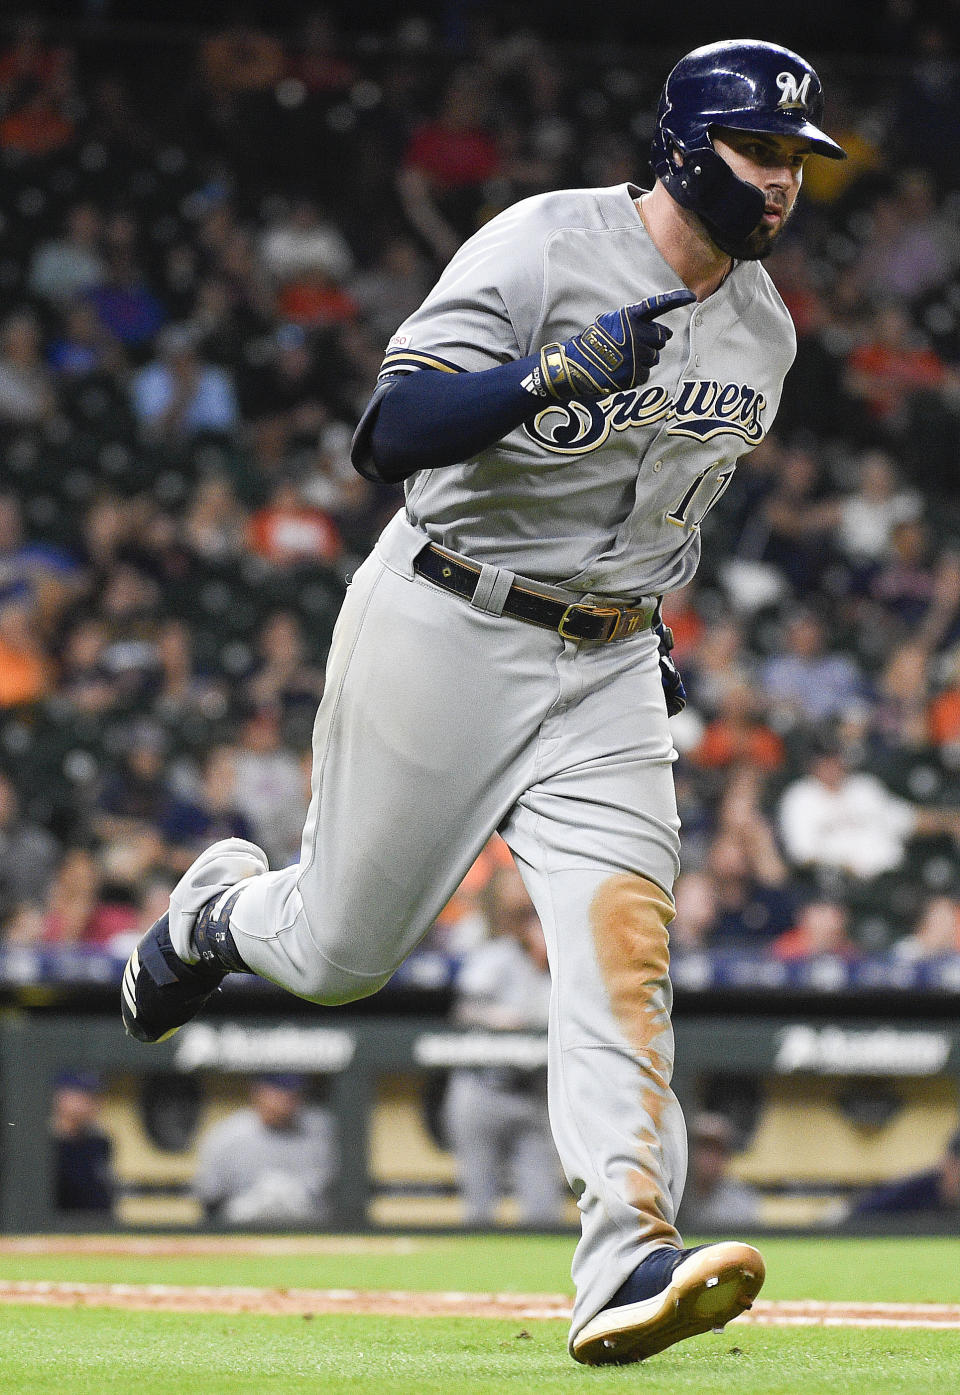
(604, 497)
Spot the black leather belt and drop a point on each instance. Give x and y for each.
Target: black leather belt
(586, 624)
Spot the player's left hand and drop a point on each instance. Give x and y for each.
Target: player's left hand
(673, 689)
(617, 351)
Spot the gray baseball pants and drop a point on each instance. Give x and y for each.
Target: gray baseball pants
(440, 724)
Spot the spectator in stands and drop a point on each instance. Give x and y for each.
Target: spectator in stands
(789, 523)
(178, 395)
(26, 673)
(304, 241)
(867, 517)
(899, 716)
(27, 396)
(65, 268)
(446, 165)
(288, 398)
(719, 663)
(48, 574)
(38, 106)
(804, 683)
(129, 602)
(462, 925)
(738, 734)
(239, 58)
(222, 323)
(752, 898)
(28, 61)
(891, 367)
(712, 1199)
(943, 715)
(210, 812)
(309, 261)
(496, 1116)
(135, 798)
(84, 350)
(935, 1191)
(75, 913)
(283, 677)
(695, 897)
(272, 1163)
(270, 790)
(83, 1153)
(28, 853)
(915, 593)
(317, 60)
(937, 932)
(911, 247)
(289, 532)
(125, 304)
(849, 822)
(330, 482)
(392, 288)
(178, 690)
(87, 683)
(149, 899)
(216, 523)
(822, 930)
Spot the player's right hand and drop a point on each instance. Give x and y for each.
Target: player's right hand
(617, 351)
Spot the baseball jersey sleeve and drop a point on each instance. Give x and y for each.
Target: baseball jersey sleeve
(482, 310)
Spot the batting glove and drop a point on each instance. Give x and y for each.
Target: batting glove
(617, 351)
(673, 689)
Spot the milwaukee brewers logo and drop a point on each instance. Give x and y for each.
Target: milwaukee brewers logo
(702, 408)
(794, 91)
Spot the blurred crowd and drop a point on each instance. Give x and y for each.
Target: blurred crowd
(201, 262)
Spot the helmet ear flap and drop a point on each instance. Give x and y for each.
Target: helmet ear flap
(730, 207)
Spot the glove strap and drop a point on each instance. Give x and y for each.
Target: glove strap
(582, 368)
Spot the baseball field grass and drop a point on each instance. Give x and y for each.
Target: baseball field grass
(82, 1348)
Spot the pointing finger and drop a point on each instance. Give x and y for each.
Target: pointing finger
(655, 305)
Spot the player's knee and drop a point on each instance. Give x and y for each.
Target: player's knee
(332, 986)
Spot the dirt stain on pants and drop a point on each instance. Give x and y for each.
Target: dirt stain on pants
(629, 916)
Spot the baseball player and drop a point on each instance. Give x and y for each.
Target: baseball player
(499, 661)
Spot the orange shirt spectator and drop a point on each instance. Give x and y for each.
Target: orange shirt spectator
(312, 301)
(738, 735)
(24, 668)
(288, 531)
(37, 128)
(943, 719)
(686, 622)
(463, 902)
(241, 59)
(726, 743)
(891, 366)
(821, 929)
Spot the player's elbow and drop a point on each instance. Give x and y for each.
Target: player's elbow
(377, 450)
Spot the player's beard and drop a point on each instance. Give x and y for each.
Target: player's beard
(759, 243)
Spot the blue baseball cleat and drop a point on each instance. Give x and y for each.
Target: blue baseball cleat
(160, 991)
(671, 1295)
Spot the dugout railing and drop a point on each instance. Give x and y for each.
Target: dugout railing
(811, 1059)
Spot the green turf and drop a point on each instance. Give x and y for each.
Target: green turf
(48, 1352)
(902, 1270)
(85, 1351)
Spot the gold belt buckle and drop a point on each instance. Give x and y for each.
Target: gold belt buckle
(613, 611)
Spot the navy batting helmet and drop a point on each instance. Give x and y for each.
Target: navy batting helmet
(745, 85)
